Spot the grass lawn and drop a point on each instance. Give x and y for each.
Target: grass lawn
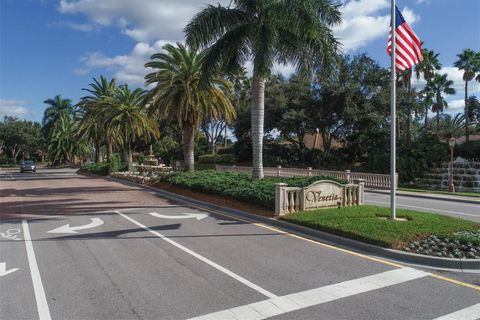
(363, 223)
(465, 194)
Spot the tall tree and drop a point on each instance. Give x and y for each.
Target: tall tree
(440, 85)
(266, 32)
(469, 62)
(90, 107)
(63, 143)
(52, 113)
(182, 94)
(126, 118)
(428, 66)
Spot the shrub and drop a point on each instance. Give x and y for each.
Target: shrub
(285, 155)
(227, 158)
(114, 163)
(468, 150)
(97, 168)
(237, 185)
(225, 150)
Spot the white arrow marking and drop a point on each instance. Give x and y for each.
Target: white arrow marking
(67, 229)
(4, 271)
(198, 216)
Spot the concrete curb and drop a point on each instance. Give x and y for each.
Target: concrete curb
(427, 196)
(463, 265)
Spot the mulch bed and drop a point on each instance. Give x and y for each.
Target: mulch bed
(215, 199)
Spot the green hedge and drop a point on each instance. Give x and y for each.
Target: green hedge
(227, 158)
(97, 168)
(238, 186)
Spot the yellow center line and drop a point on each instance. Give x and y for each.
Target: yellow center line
(317, 242)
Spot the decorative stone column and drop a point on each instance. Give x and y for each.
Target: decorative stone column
(361, 190)
(279, 198)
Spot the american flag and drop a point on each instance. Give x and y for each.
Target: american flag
(408, 46)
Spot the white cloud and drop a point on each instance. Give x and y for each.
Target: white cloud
(456, 76)
(147, 21)
(13, 108)
(458, 104)
(126, 68)
(142, 20)
(363, 23)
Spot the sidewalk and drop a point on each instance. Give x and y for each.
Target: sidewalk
(427, 195)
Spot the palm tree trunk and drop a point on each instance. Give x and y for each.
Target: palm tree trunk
(409, 111)
(409, 124)
(426, 116)
(258, 111)
(467, 133)
(125, 154)
(438, 120)
(97, 151)
(189, 147)
(109, 150)
(130, 155)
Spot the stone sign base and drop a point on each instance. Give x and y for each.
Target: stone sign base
(320, 194)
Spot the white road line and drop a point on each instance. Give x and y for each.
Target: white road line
(202, 258)
(416, 207)
(296, 301)
(42, 304)
(375, 195)
(470, 313)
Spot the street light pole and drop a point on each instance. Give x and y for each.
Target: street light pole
(451, 186)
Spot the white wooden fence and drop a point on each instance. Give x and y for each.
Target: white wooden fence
(372, 180)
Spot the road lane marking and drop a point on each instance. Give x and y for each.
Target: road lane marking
(201, 258)
(95, 222)
(461, 283)
(4, 271)
(402, 197)
(198, 216)
(304, 299)
(417, 207)
(318, 242)
(11, 234)
(470, 313)
(42, 304)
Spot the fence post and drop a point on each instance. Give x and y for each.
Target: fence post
(347, 173)
(309, 173)
(279, 170)
(361, 190)
(396, 180)
(279, 198)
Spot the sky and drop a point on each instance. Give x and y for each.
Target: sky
(51, 47)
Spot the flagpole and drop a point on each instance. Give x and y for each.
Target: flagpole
(393, 118)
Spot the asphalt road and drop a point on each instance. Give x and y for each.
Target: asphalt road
(468, 211)
(74, 247)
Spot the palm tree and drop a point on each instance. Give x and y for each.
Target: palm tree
(469, 62)
(428, 66)
(52, 113)
(452, 126)
(266, 32)
(63, 144)
(125, 117)
(439, 85)
(181, 93)
(90, 106)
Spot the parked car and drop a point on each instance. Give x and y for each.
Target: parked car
(28, 165)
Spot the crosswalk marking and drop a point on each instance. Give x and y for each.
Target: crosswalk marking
(470, 313)
(296, 301)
